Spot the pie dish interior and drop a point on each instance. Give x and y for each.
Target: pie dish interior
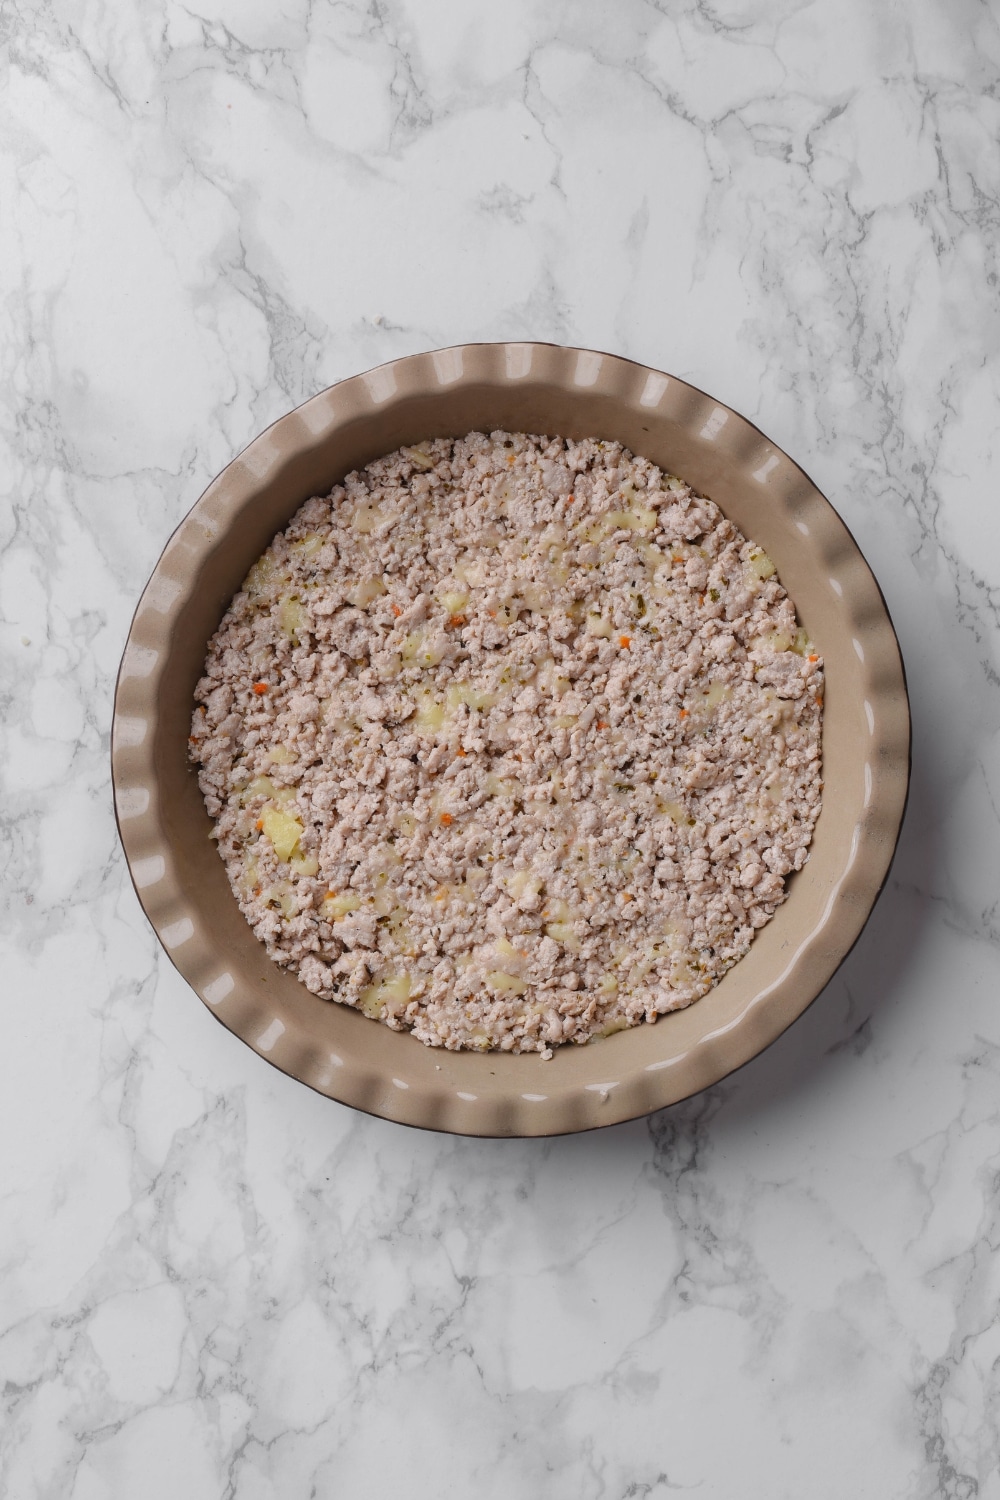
(537, 388)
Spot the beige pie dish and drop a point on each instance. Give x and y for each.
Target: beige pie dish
(181, 881)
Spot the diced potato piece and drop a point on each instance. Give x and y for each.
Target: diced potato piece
(471, 570)
(282, 829)
(412, 643)
(418, 458)
(423, 650)
(364, 591)
(564, 721)
(308, 546)
(464, 692)
(262, 576)
(281, 755)
(304, 864)
(596, 625)
(371, 1001)
(673, 810)
(367, 518)
(639, 519)
(261, 786)
(429, 717)
(522, 882)
(607, 985)
(669, 945)
(617, 1023)
(399, 930)
(506, 948)
(343, 726)
(250, 876)
(534, 595)
(293, 618)
(499, 786)
(406, 822)
(684, 972)
(338, 906)
(393, 991)
(761, 566)
(452, 602)
(564, 933)
(505, 983)
(282, 893)
(716, 693)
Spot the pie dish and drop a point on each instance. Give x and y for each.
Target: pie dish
(536, 388)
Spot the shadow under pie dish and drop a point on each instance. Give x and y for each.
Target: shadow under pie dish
(512, 388)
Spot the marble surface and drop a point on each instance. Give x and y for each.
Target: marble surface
(217, 1284)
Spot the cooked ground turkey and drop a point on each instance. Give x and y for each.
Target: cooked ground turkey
(511, 741)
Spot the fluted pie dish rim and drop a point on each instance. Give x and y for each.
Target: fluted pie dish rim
(164, 826)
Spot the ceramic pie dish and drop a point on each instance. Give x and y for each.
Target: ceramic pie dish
(181, 881)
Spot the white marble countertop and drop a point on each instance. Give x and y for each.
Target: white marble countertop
(215, 1283)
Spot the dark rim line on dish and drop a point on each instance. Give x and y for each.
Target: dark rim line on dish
(594, 1123)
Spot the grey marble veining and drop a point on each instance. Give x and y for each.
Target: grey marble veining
(214, 1283)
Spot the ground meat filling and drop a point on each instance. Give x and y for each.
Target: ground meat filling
(511, 741)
